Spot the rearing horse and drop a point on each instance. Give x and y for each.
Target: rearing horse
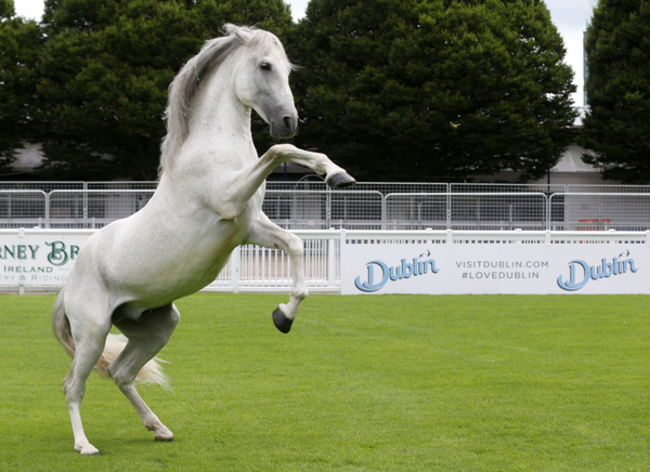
(208, 202)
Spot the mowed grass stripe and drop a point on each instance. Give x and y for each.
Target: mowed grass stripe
(374, 383)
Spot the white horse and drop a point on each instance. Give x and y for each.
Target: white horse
(208, 201)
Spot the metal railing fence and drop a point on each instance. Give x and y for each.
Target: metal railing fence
(23, 208)
(324, 209)
(600, 211)
(316, 182)
(93, 208)
(47, 186)
(382, 187)
(466, 211)
(367, 206)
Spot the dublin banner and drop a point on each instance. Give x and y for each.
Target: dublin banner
(494, 268)
(43, 258)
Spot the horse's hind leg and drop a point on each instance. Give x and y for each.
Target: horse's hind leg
(147, 337)
(267, 234)
(90, 337)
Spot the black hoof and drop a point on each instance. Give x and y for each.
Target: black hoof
(281, 321)
(341, 180)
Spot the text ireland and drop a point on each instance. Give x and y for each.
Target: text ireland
(580, 272)
(379, 273)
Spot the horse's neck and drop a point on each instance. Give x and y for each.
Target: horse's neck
(217, 114)
(219, 138)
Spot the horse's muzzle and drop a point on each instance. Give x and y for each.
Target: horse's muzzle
(285, 126)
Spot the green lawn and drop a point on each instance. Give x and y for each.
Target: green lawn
(362, 383)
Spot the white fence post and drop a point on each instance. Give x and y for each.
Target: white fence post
(331, 261)
(21, 264)
(235, 263)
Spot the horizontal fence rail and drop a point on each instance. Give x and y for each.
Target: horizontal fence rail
(366, 206)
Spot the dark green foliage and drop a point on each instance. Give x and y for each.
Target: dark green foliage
(617, 127)
(391, 89)
(105, 71)
(20, 41)
(6, 9)
(433, 90)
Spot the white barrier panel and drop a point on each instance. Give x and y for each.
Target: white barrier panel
(590, 267)
(38, 258)
(376, 262)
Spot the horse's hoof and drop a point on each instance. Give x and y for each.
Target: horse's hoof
(162, 434)
(88, 450)
(341, 180)
(281, 321)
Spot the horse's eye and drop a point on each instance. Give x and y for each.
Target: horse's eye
(265, 66)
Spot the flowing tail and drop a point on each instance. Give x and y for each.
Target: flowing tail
(115, 343)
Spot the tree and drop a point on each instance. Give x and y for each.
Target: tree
(617, 127)
(105, 71)
(7, 9)
(434, 89)
(20, 41)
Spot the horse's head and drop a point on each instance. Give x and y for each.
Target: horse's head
(262, 80)
(259, 71)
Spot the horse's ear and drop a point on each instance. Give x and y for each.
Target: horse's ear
(243, 34)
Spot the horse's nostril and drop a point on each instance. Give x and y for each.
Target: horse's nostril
(290, 124)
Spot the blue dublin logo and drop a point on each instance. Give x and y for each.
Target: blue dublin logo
(581, 272)
(379, 273)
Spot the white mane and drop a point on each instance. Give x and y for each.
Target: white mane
(185, 83)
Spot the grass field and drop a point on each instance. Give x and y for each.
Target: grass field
(377, 383)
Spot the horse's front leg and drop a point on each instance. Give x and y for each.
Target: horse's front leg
(335, 176)
(243, 183)
(267, 234)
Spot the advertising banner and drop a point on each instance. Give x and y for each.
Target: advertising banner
(494, 268)
(38, 258)
(43, 258)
